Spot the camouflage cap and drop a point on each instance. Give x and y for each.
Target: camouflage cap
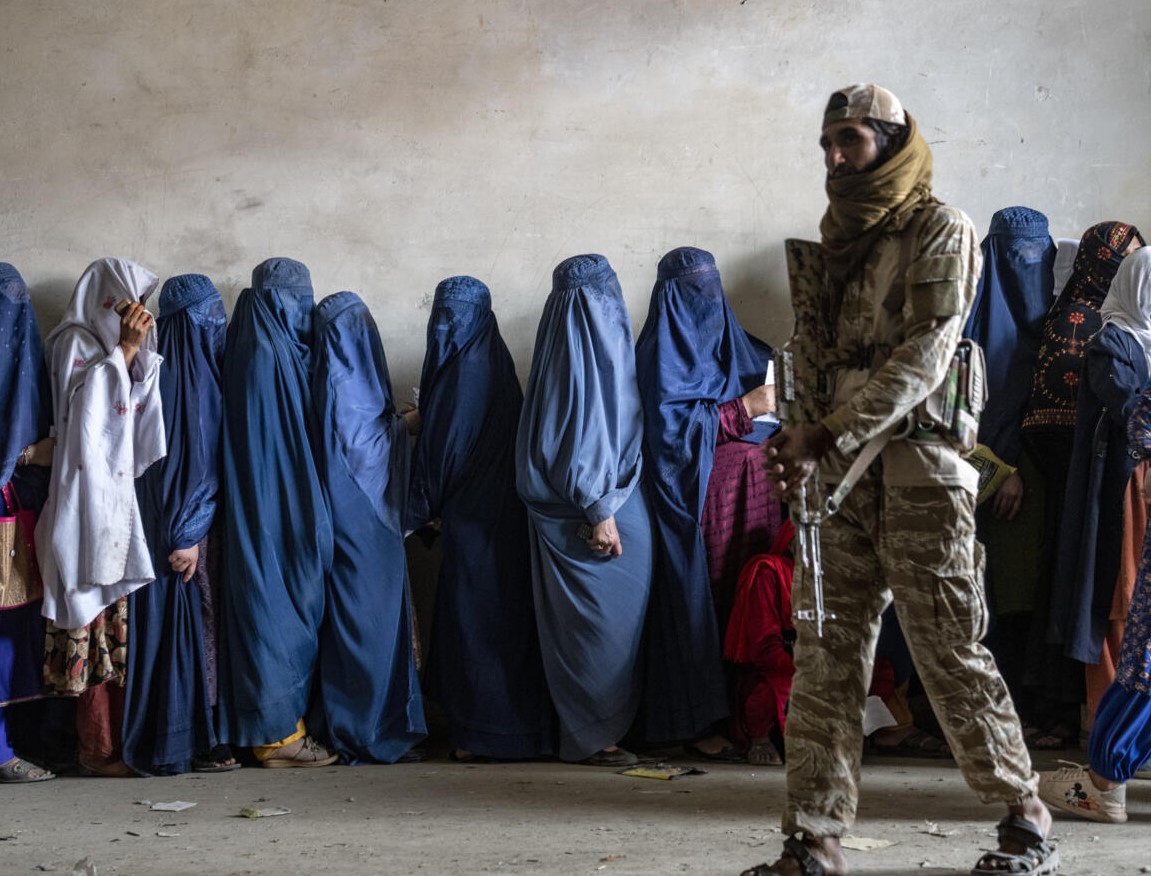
(862, 101)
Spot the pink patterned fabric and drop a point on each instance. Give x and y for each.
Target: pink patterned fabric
(741, 513)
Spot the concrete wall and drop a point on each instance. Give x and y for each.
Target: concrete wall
(391, 143)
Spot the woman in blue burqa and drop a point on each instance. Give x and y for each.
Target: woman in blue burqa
(484, 663)
(169, 722)
(25, 453)
(1011, 302)
(691, 357)
(578, 465)
(277, 530)
(368, 704)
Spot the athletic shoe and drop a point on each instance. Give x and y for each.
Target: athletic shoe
(1070, 789)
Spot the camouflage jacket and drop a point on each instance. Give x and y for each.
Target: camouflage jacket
(867, 353)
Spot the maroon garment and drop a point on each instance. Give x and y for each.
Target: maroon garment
(99, 724)
(741, 513)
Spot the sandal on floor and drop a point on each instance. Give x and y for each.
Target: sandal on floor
(728, 754)
(794, 848)
(311, 754)
(115, 770)
(21, 772)
(1054, 738)
(216, 761)
(1038, 857)
(917, 743)
(458, 755)
(618, 758)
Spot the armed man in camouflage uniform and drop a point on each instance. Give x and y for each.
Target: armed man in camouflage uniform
(880, 306)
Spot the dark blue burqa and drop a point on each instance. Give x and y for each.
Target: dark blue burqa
(578, 461)
(484, 664)
(26, 405)
(277, 531)
(24, 393)
(691, 356)
(168, 715)
(1011, 301)
(368, 703)
(1091, 531)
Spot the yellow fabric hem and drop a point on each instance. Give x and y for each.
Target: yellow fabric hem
(264, 752)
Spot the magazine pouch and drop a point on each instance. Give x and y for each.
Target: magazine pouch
(950, 413)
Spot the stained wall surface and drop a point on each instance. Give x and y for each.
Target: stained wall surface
(391, 143)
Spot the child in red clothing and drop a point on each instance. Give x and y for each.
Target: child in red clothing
(758, 642)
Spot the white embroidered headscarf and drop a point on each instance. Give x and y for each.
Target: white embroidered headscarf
(1128, 302)
(109, 428)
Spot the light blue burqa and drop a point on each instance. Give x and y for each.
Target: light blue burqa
(578, 462)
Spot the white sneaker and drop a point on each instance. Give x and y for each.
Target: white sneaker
(1070, 790)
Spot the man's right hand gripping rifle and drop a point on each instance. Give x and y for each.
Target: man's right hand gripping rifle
(791, 459)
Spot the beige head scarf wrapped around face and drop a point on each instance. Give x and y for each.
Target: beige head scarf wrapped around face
(1128, 302)
(862, 205)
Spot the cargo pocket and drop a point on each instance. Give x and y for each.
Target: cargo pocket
(961, 616)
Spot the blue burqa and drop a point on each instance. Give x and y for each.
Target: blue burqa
(26, 406)
(368, 703)
(578, 462)
(24, 393)
(692, 355)
(168, 714)
(484, 664)
(1011, 301)
(277, 531)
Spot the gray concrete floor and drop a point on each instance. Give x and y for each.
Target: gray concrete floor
(546, 818)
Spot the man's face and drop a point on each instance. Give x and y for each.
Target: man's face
(849, 147)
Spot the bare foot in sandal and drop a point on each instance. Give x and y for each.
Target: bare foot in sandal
(763, 753)
(809, 856)
(218, 760)
(1023, 846)
(18, 771)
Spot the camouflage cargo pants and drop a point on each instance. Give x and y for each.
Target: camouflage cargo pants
(915, 545)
